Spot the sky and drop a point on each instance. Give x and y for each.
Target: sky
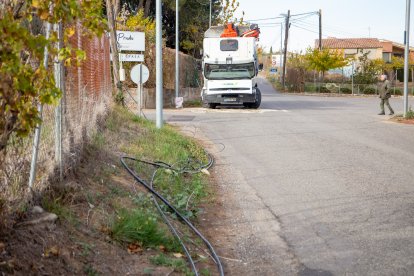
(340, 18)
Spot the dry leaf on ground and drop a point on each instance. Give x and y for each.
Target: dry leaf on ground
(52, 251)
(134, 248)
(178, 255)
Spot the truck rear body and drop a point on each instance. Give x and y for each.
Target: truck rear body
(229, 69)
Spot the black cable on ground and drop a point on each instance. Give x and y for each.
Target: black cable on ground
(160, 197)
(172, 229)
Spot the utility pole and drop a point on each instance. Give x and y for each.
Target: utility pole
(281, 47)
(158, 58)
(406, 55)
(320, 29)
(209, 24)
(177, 50)
(285, 49)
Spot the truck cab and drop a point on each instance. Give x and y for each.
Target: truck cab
(230, 68)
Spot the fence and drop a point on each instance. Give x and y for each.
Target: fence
(86, 96)
(348, 88)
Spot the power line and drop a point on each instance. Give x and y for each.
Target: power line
(316, 32)
(304, 26)
(342, 39)
(302, 18)
(299, 14)
(270, 24)
(333, 30)
(279, 17)
(263, 19)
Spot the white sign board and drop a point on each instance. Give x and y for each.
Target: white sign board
(274, 60)
(179, 102)
(137, 76)
(277, 61)
(130, 41)
(131, 57)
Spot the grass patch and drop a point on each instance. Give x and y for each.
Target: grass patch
(58, 207)
(179, 265)
(132, 218)
(275, 82)
(141, 226)
(98, 140)
(193, 103)
(185, 192)
(86, 249)
(409, 114)
(165, 144)
(90, 270)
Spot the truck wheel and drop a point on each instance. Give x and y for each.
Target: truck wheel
(212, 105)
(258, 101)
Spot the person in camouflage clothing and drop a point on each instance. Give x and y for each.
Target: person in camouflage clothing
(384, 95)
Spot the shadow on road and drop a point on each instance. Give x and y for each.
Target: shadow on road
(296, 104)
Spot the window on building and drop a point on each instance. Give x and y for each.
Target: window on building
(386, 57)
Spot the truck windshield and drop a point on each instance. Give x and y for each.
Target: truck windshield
(229, 71)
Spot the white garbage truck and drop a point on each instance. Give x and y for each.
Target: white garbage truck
(230, 66)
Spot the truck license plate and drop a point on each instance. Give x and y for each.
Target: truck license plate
(230, 99)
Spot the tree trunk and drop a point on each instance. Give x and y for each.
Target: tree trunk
(147, 7)
(141, 4)
(113, 43)
(117, 7)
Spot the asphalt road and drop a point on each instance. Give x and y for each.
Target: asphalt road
(323, 185)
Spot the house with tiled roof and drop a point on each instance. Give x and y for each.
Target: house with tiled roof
(354, 47)
(393, 49)
(376, 49)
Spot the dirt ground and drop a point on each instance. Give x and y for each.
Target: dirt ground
(401, 120)
(78, 241)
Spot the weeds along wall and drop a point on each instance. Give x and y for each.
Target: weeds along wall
(86, 97)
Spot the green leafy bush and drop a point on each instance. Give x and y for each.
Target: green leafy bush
(310, 88)
(323, 89)
(346, 90)
(397, 92)
(141, 226)
(369, 91)
(410, 114)
(25, 80)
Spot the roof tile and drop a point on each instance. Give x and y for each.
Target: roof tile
(350, 43)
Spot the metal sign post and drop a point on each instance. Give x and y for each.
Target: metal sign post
(139, 92)
(139, 75)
